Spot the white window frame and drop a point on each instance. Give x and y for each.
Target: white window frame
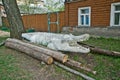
(79, 14)
(113, 14)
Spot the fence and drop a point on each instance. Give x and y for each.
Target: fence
(40, 21)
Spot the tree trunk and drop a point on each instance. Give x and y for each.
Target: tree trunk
(56, 55)
(29, 51)
(14, 18)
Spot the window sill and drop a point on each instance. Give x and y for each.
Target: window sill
(83, 26)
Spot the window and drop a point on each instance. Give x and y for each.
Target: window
(115, 14)
(84, 16)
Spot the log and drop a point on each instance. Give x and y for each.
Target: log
(31, 52)
(77, 65)
(55, 54)
(73, 71)
(100, 51)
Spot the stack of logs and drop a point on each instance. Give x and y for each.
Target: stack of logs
(46, 55)
(58, 58)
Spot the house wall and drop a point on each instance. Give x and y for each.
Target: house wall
(100, 12)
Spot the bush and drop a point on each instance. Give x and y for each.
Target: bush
(4, 28)
(31, 30)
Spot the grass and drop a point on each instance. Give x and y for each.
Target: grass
(2, 39)
(9, 70)
(105, 43)
(107, 67)
(66, 74)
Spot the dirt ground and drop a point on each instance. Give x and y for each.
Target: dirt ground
(40, 71)
(37, 70)
(3, 33)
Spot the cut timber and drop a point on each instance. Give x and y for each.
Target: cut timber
(56, 55)
(73, 71)
(100, 51)
(78, 65)
(29, 51)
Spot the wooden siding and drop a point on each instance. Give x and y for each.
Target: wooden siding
(100, 12)
(100, 15)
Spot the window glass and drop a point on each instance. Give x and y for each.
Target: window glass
(117, 19)
(84, 16)
(82, 19)
(117, 8)
(87, 19)
(84, 11)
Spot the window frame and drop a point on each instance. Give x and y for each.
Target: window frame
(112, 21)
(79, 18)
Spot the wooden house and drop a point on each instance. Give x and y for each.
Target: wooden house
(92, 13)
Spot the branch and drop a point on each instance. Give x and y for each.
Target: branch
(99, 50)
(73, 71)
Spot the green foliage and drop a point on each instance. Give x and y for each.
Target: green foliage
(30, 30)
(53, 6)
(3, 28)
(49, 6)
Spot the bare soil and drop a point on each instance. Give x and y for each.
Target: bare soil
(107, 67)
(39, 70)
(3, 33)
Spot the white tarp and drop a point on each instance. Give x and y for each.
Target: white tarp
(62, 42)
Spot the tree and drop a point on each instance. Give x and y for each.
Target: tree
(49, 6)
(54, 5)
(25, 8)
(14, 18)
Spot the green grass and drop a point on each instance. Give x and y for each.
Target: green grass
(66, 74)
(9, 70)
(107, 67)
(2, 39)
(76, 57)
(105, 43)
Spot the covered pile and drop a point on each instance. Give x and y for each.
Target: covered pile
(62, 42)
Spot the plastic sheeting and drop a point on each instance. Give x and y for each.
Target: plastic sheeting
(62, 42)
